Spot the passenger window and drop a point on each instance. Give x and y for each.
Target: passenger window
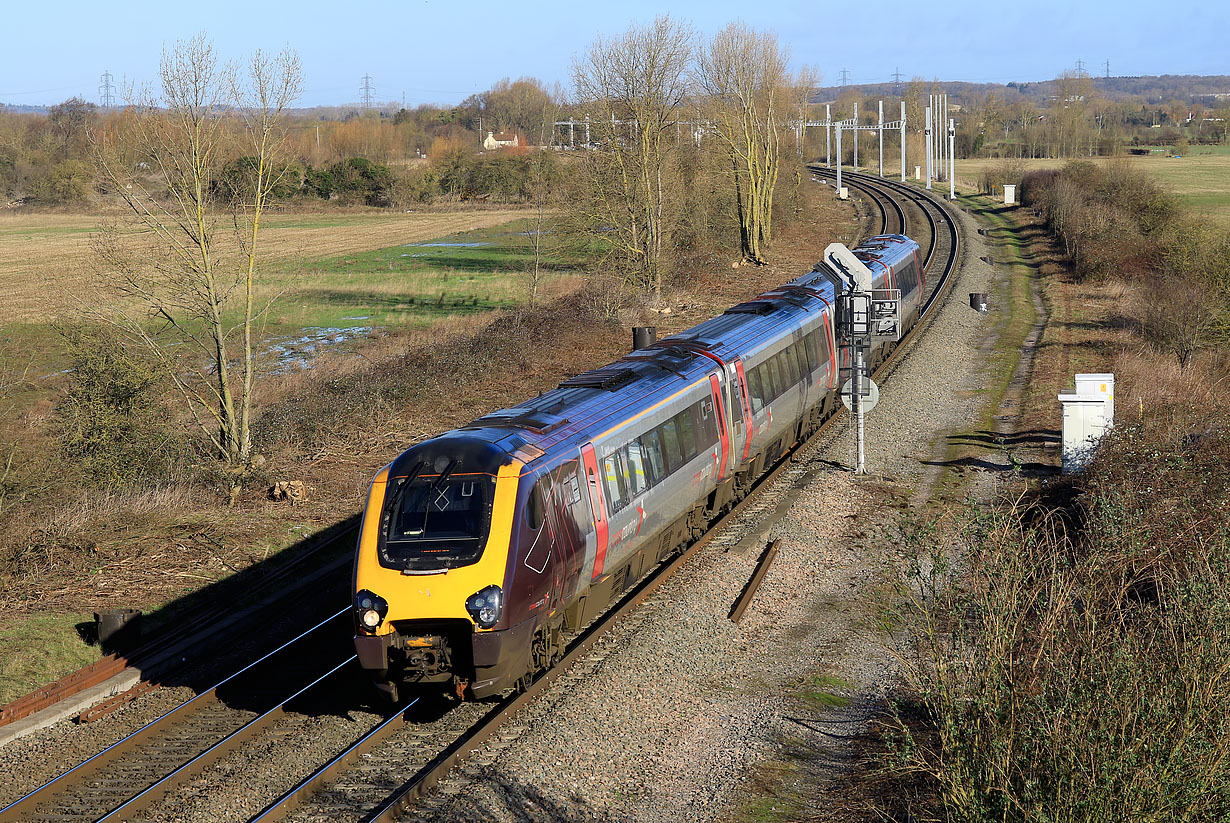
(789, 368)
(706, 425)
(670, 445)
(687, 434)
(807, 356)
(655, 465)
(736, 403)
(822, 347)
(774, 385)
(636, 469)
(755, 392)
(616, 485)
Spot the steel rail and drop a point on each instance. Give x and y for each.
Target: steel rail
(422, 781)
(228, 744)
(929, 206)
(168, 720)
(164, 646)
(318, 779)
(753, 585)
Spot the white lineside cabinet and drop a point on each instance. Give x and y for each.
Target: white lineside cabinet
(1102, 385)
(1009, 194)
(1088, 412)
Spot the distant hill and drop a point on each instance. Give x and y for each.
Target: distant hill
(1192, 88)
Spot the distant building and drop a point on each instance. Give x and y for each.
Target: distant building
(501, 140)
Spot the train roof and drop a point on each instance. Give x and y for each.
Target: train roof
(587, 405)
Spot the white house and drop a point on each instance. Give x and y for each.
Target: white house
(499, 141)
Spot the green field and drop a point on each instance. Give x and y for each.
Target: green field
(322, 299)
(1201, 178)
(415, 284)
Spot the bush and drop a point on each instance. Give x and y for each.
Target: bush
(238, 180)
(66, 183)
(1076, 668)
(1006, 171)
(1111, 218)
(414, 185)
(111, 424)
(356, 180)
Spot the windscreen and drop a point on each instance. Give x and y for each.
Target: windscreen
(436, 522)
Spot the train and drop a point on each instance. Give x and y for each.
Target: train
(483, 549)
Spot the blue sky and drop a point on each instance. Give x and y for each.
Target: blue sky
(436, 51)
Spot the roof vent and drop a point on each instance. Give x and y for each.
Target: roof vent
(606, 379)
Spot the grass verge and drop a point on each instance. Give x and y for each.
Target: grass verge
(41, 648)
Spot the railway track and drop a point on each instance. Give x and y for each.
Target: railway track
(122, 781)
(943, 236)
(159, 655)
(351, 795)
(407, 751)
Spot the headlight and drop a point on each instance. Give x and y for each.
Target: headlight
(370, 609)
(485, 606)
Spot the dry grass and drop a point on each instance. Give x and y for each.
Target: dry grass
(45, 259)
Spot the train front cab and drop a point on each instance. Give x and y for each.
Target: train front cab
(431, 599)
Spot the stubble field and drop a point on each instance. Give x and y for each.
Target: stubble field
(46, 260)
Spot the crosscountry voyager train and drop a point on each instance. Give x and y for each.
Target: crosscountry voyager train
(482, 548)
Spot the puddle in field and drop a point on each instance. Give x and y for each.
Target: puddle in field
(446, 245)
(296, 353)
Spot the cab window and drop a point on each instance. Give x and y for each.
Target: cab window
(535, 507)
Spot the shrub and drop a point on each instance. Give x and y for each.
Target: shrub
(238, 179)
(356, 180)
(111, 424)
(66, 183)
(1076, 667)
(1006, 171)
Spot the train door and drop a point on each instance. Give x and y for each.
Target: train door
(574, 524)
(540, 580)
(597, 506)
(743, 433)
(722, 427)
(829, 346)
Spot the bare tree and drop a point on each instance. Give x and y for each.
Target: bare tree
(750, 91)
(274, 83)
(543, 179)
(190, 292)
(635, 85)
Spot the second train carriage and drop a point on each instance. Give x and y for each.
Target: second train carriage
(482, 546)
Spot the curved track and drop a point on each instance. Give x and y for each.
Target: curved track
(943, 241)
(942, 255)
(122, 781)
